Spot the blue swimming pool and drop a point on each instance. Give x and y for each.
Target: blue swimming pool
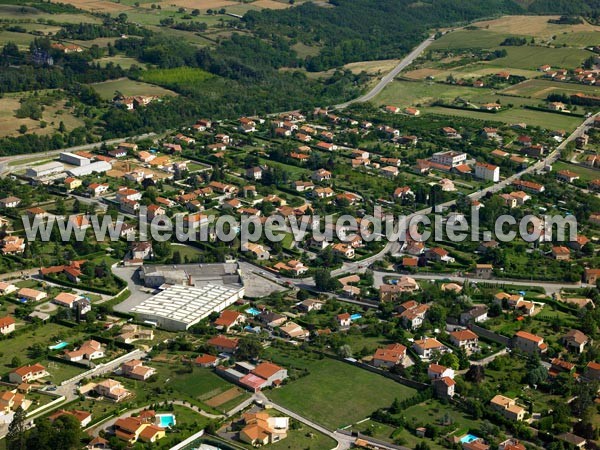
(253, 311)
(58, 346)
(355, 316)
(468, 438)
(165, 420)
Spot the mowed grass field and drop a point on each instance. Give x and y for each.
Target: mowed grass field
(542, 88)
(550, 121)
(128, 87)
(336, 394)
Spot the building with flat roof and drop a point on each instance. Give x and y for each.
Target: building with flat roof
(190, 274)
(45, 170)
(88, 169)
(73, 159)
(178, 307)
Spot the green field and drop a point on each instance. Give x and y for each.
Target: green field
(469, 39)
(578, 38)
(549, 121)
(542, 88)
(403, 93)
(124, 61)
(127, 87)
(181, 77)
(336, 394)
(531, 57)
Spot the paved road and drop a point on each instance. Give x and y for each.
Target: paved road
(407, 61)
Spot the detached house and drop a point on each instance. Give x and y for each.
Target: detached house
(389, 356)
(27, 374)
(465, 339)
(223, 344)
(7, 325)
(507, 407)
(426, 347)
(575, 340)
(529, 343)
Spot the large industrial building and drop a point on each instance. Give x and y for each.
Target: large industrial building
(188, 293)
(73, 159)
(178, 307)
(88, 169)
(45, 170)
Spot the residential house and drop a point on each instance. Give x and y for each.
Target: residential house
(223, 344)
(27, 374)
(444, 387)
(344, 320)
(89, 351)
(292, 330)
(477, 314)
(529, 343)
(7, 325)
(391, 292)
(575, 340)
(389, 356)
(465, 339)
(507, 407)
(262, 429)
(229, 319)
(427, 347)
(487, 172)
(10, 202)
(134, 429)
(83, 417)
(32, 295)
(561, 253)
(321, 175)
(258, 250)
(592, 371)
(437, 371)
(414, 316)
(136, 370)
(449, 158)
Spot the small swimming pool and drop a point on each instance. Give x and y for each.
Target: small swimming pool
(468, 438)
(355, 316)
(165, 420)
(253, 311)
(58, 346)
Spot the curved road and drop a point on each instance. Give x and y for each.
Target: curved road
(407, 61)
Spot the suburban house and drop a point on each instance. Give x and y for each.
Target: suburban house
(223, 344)
(575, 340)
(258, 250)
(206, 360)
(112, 390)
(89, 350)
(83, 417)
(136, 370)
(436, 371)
(33, 295)
(134, 429)
(10, 202)
(229, 319)
(426, 347)
(262, 429)
(344, 320)
(592, 371)
(271, 319)
(413, 317)
(444, 387)
(7, 325)
(310, 305)
(13, 400)
(27, 374)
(7, 288)
(529, 343)
(66, 299)
(391, 292)
(507, 407)
(477, 314)
(389, 356)
(465, 339)
(294, 331)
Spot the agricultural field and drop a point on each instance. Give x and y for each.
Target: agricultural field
(124, 61)
(404, 93)
(182, 77)
(336, 394)
(537, 26)
(542, 88)
(546, 120)
(531, 57)
(127, 87)
(469, 39)
(474, 71)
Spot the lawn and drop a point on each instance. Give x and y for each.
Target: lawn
(48, 334)
(546, 120)
(61, 371)
(336, 394)
(542, 88)
(127, 87)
